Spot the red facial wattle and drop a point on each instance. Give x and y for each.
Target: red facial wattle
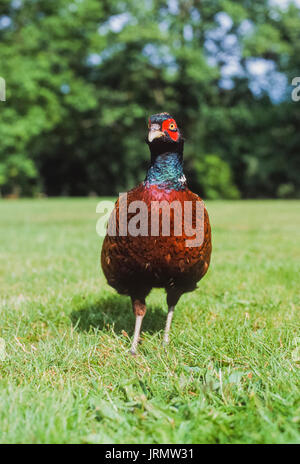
(170, 126)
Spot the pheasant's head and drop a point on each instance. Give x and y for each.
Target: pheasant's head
(164, 135)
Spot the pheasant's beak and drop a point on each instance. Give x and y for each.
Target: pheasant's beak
(155, 132)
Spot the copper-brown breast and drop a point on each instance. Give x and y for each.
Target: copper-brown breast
(156, 260)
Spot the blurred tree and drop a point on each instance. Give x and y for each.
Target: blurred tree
(214, 177)
(83, 76)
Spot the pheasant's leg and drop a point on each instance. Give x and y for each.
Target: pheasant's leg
(139, 309)
(173, 295)
(168, 324)
(136, 336)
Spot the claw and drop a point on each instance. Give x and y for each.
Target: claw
(133, 353)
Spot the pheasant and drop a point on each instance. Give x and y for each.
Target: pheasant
(149, 257)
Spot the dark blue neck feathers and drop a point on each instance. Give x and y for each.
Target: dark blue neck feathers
(166, 171)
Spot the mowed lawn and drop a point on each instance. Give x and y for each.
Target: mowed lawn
(230, 374)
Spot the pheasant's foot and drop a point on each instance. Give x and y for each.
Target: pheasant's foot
(136, 336)
(168, 325)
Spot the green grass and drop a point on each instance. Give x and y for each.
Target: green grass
(230, 375)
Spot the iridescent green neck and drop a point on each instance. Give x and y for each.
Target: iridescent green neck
(166, 171)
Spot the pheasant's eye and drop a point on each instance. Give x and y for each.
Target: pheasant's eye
(170, 129)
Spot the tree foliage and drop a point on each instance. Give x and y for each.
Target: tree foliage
(82, 76)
